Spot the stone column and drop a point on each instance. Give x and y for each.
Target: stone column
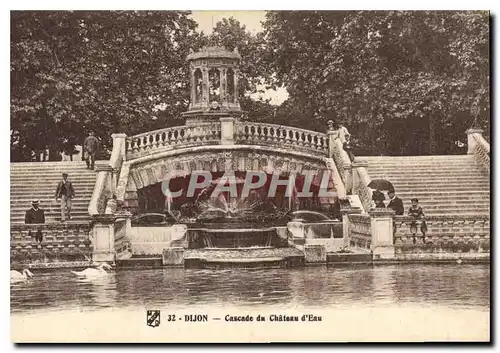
(223, 88)
(192, 71)
(227, 131)
(382, 233)
(103, 238)
(236, 95)
(471, 142)
(205, 90)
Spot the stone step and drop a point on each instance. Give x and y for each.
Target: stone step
(30, 177)
(59, 164)
(421, 188)
(471, 185)
(403, 176)
(51, 187)
(47, 194)
(481, 195)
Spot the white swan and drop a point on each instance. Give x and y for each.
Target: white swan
(93, 272)
(16, 276)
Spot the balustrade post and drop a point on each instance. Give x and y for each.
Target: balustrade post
(103, 238)
(471, 141)
(382, 233)
(119, 143)
(227, 131)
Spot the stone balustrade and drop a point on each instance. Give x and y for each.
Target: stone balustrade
(282, 136)
(172, 137)
(482, 152)
(103, 191)
(479, 148)
(462, 233)
(361, 179)
(360, 231)
(62, 242)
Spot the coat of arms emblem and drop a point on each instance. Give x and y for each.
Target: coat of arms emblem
(153, 318)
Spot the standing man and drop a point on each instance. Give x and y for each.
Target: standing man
(395, 203)
(66, 192)
(90, 146)
(35, 215)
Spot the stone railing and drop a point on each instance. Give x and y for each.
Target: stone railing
(360, 232)
(361, 179)
(479, 148)
(61, 242)
(281, 136)
(482, 151)
(103, 191)
(341, 158)
(107, 178)
(172, 137)
(458, 233)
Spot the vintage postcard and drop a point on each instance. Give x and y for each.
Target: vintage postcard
(250, 176)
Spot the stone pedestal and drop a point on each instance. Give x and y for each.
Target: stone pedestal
(103, 238)
(314, 254)
(382, 233)
(471, 142)
(119, 143)
(173, 256)
(227, 131)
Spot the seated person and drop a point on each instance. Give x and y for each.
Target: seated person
(417, 212)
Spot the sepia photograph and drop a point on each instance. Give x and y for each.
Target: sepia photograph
(250, 176)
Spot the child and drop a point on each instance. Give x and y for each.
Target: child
(417, 212)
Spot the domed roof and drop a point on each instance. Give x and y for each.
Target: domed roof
(214, 52)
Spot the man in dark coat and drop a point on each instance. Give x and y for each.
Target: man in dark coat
(395, 203)
(90, 146)
(35, 215)
(65, 192)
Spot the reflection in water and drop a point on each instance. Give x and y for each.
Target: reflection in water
(445, 285)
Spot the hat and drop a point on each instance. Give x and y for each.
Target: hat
(414, 199)
(35, 202)
(391, 191)
(64, 174)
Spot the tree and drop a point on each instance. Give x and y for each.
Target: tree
(109, 71)
(417, 72)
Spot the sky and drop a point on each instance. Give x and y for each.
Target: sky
(252, 21)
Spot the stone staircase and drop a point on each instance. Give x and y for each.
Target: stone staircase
(444, 185)
(29, 181)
